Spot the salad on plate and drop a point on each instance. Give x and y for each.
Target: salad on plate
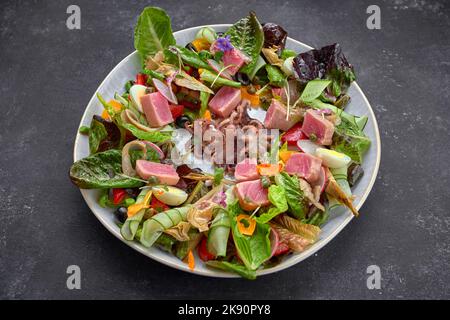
(231, 151)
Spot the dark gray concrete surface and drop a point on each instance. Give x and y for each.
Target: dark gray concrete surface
(48, 74)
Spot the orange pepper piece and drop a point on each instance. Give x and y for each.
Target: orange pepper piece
(201, 44)
(105, 115)
(286, 154)
(207, 115)
(267, 169)
(248, 227)
(252, 98)
(191, 260)
(115, 105)
(135, 208)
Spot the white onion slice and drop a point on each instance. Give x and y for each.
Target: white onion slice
(165, 90)
(307, 146)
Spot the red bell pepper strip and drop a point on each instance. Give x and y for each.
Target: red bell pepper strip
(158, 205)
(203, 252)
(118, 195)
(176, 110)
(293, 135)
(141, 79)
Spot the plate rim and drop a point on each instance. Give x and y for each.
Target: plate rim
(216, 273)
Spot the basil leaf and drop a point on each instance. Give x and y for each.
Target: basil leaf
(247, 35)
(255, 249)
(277, 197)
(313, 90)
(100, 171)
(153, 32)
(298, 204)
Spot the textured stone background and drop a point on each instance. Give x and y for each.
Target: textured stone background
(49, 73)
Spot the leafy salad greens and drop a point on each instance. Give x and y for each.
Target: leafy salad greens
(240, 217)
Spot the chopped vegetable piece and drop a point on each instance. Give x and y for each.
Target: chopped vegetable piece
(203, 252)
(246, 224)
(119, 195)
(267, 169)
(191, 260)
(201, 44)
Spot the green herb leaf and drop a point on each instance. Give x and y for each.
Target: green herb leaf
(314, 89)
(277, 197)
(153, 32)
(287, 53)
(298, 204)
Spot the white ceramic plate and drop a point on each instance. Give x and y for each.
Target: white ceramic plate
(130, 66)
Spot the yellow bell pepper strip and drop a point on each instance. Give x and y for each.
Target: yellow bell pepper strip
(246, 224)
(191, 260)
(252, 98)
(145, 204)
(135, 208)
(286, 154)
(267, 169)
(201, 44)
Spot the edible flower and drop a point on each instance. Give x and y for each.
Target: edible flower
(224, 44)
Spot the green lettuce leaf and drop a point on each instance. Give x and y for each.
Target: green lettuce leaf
(103, 135)
(233, 267)
(100, 171)
(255, 249)
(153, 32)
(348, 138)
(247, 35)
